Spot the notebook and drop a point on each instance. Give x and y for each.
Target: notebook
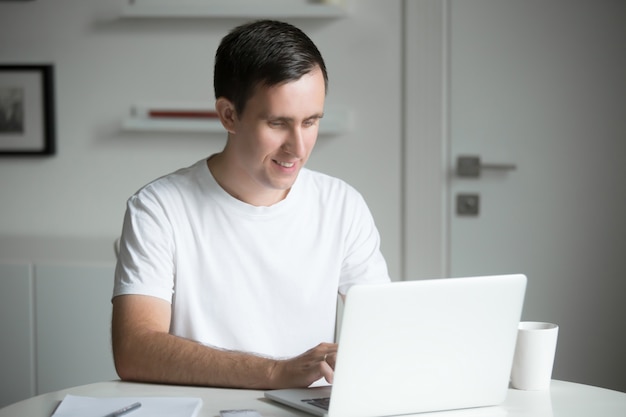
(421, 346)
(78, 406)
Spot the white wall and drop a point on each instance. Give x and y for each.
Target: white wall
(104, 64)
(60, 215)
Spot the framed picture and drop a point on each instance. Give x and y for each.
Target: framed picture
(27, 110)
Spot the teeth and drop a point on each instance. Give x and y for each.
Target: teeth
(285, 164)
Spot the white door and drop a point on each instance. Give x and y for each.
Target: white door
(541, 84)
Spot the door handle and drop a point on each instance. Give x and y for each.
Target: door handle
(471, 166)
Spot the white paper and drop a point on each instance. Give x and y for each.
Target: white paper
(76, 406)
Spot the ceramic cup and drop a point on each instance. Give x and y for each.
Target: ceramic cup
(534, 355)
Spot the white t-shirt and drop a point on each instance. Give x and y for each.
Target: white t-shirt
(247, 278)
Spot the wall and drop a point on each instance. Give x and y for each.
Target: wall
(65, 211)
(104, 64)
(55, 328)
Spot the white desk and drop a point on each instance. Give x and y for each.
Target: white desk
(563, 399)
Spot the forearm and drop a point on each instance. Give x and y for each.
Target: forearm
(160, 357)
(144, 350)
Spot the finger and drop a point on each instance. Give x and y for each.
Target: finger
(322, 351)
(331, 359)
(327, 347)
(330, 352)
(327, 372)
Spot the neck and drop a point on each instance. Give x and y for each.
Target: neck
(239, 186)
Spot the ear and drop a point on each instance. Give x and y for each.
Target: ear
(226, 112)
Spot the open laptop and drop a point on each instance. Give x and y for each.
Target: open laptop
(421, 346)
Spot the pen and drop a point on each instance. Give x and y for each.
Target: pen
(124, 410)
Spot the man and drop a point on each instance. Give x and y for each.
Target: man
(229, 270)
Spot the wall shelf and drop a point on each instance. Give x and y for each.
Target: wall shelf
(335, 121)
(225, 9)
(172, 125)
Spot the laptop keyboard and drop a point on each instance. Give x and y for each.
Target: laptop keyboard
(318, 402)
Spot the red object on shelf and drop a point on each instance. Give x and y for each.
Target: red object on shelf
(183, 114)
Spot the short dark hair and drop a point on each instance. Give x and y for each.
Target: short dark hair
(264, 52)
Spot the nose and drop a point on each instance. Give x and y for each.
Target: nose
(295, 142)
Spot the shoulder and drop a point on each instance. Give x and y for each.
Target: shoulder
(327, 185)
(332, 194)
(183, 179)
(171, 192)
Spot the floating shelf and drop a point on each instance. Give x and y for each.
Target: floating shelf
(334, 122)
(225, 9)
(172, 125)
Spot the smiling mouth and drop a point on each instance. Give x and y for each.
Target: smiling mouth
(285, 164)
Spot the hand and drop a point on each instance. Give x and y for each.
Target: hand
(306, 368)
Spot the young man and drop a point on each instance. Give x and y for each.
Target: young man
(229, 270)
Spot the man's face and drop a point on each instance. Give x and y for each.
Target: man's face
(275, 135)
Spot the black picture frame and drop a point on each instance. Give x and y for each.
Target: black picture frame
(27, 120)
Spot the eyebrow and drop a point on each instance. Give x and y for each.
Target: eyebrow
(290, 119)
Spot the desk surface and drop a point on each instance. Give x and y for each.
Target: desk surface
(563, 399)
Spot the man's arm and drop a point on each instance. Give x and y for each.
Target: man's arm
(144, 350)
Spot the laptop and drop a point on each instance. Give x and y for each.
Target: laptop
(421, 346)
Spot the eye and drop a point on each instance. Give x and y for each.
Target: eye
(276, 123)
(310, 122)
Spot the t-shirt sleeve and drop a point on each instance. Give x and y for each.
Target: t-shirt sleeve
(363, 261)
(145, 261)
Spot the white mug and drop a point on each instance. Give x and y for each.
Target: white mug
(534, 355)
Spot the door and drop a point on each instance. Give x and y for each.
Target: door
(542, 85)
